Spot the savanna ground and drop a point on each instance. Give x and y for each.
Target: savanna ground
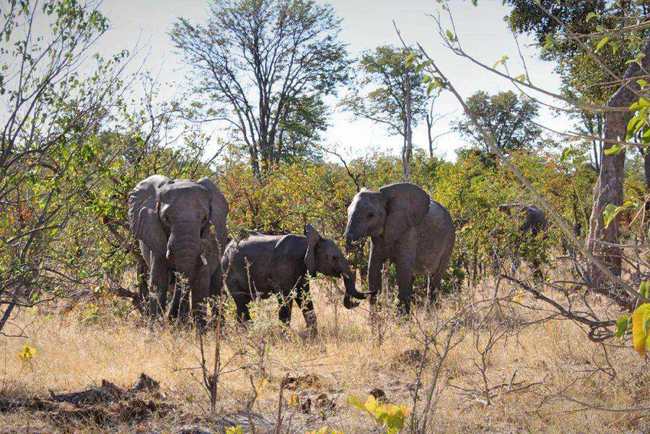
(512, 366)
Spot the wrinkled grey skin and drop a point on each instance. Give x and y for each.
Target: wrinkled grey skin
(407, 228)
(534, 218)
(172, 219)
(262, 265)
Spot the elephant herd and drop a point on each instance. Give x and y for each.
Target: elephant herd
(181, 227)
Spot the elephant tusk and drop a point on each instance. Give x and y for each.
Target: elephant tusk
(205, 261)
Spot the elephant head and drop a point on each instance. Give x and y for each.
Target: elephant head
(172, 218)
(324, 256)
(387, 213)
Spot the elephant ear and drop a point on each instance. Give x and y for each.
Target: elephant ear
(143, 214)
(406, 206)
(313, 237)
(218, 211)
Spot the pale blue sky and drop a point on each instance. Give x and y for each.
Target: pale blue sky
(366, 24)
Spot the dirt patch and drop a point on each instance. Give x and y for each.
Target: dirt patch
(301, 382)
(105, 405)
(412, 358)
(112, 406)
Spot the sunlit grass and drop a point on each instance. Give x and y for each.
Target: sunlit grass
(541, 373)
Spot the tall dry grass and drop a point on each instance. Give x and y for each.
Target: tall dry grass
(541, 374)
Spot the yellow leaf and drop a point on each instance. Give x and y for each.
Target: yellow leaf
(261, 384)
(371, 404)
(27, 353)
(640, 325)
(294, 401)
(519, 295)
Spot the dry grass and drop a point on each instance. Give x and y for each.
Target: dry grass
(554, 379)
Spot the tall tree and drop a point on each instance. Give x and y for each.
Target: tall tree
(390, 91)
(265, 65)
(509, 118)
(588, 77)
(598, 47)
(50, 113)
(608, 192)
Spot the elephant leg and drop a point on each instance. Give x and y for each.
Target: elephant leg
(143, 285)
(216, 287)
(240, 296)
(180, 300)
(159, 283)
(243, 313)
(433, 287)
(285, 302)
(200, 289)
(375, 264)
(405, 284)
(306, 304)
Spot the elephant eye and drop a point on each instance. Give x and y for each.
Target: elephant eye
(371, 215)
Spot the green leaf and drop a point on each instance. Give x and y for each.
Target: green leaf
(610, 212)
(602, 43)
(613, 150)
(641, 82)
(450, 35)
(639, 57)
(642, 103)
(634, 125)
(646, 136)
(410, 59)
(622, 324)
(501, 61)
(566, 153)
(356, 402)
(433, 85)
(644, 289)
(549, 42)
(591, 16)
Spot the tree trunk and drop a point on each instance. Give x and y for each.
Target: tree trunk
(407, 150)
(646, 169)
(603, 241)
(255, 162)
(429, 137)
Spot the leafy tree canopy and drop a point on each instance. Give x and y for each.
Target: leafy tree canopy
(508, 117)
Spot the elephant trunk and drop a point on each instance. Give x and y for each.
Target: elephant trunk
(350, 238)
(349, 280)
(183, 252)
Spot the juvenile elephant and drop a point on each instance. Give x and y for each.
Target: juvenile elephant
(171, 219)
(534, 218)
(407, 228)
(262, 265)
(533, 222)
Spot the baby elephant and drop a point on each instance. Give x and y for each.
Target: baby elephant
(407, 228)
(262, 265)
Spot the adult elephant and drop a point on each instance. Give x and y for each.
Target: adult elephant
(264, 265)
(407, 228)
(171, 219)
